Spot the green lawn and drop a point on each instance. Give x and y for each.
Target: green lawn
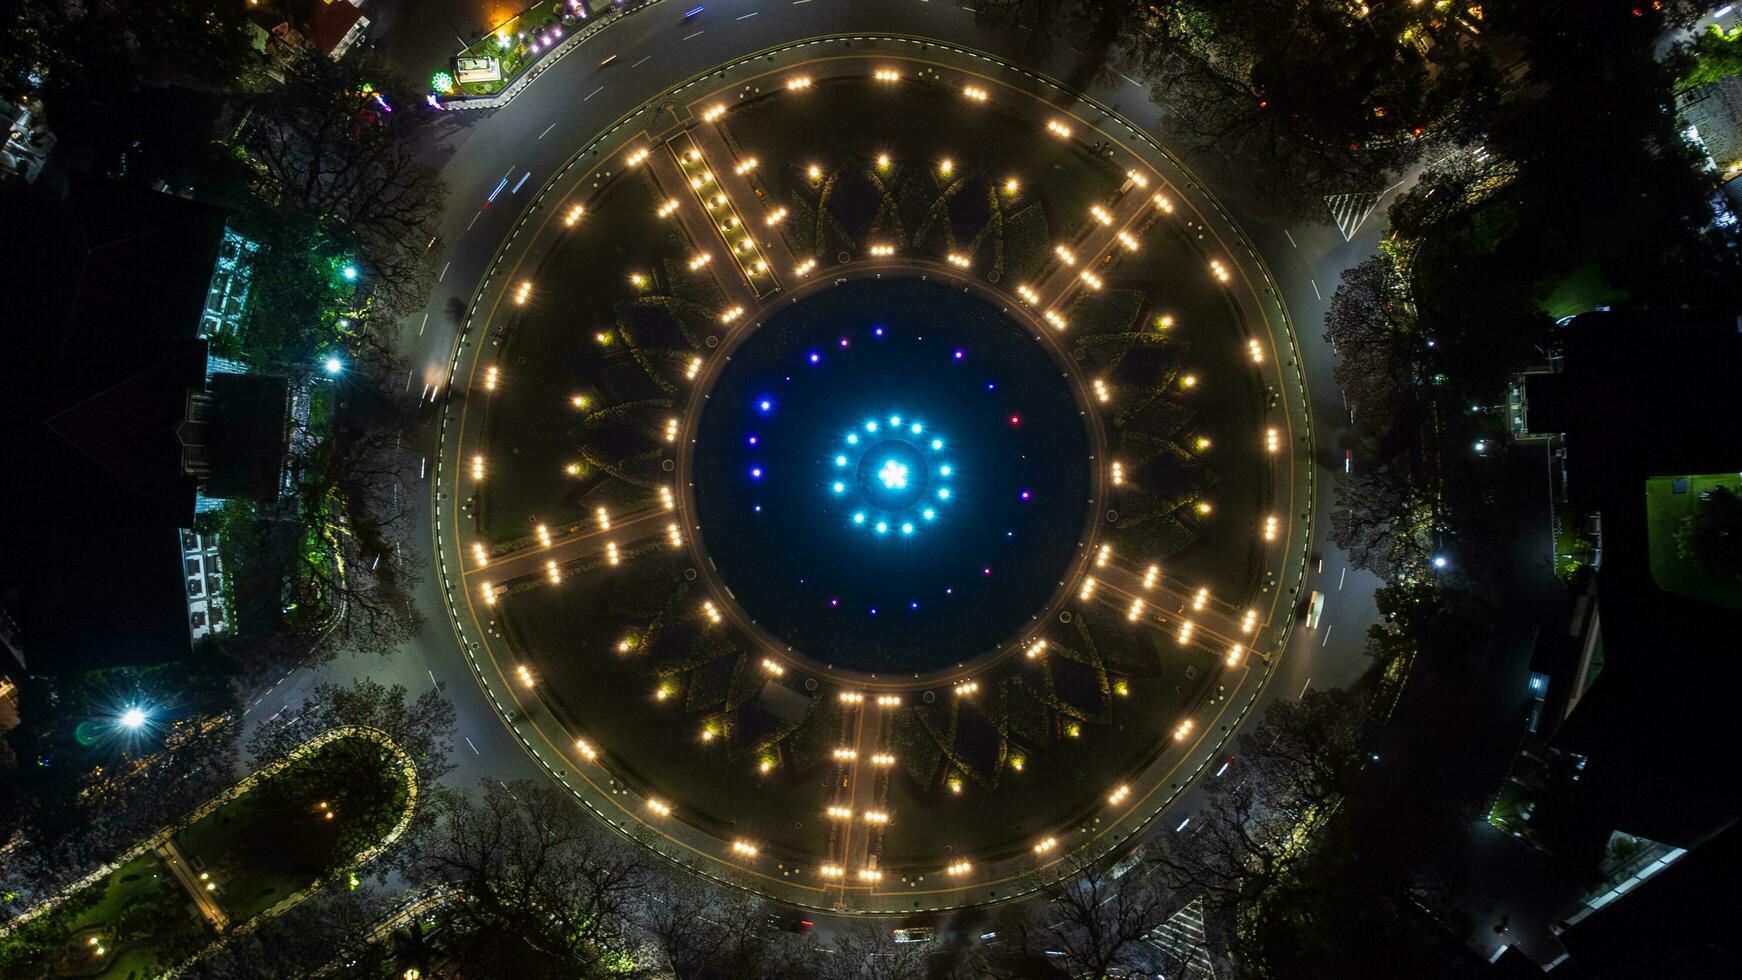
(1664, 511)
(1582, 291)
(552, 352)
(274, 840)
(139, 916)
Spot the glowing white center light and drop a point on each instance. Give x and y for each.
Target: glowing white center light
(893, 474)
(133, 718)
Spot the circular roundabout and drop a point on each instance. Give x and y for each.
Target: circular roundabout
(876, 486)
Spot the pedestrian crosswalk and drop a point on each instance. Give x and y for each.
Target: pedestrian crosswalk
(1350, 210)
(1183, 944)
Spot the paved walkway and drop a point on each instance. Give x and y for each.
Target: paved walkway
(170, 854)
(743, 190)
(700, 227)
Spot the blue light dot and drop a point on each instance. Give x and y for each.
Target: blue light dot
(859, 518)
(852, 440)
(756, 472)
(893, 475)
(840, 461)
(878, 332)
(873, 610)
(960, 354)
(757, 508)
(1026, 495)
(895, 420)
(990, 386)
(840, 488)
(815, 357)
(751, 440)
(765, 405)
(945, 469)
(930, 514)
(871, 426)
(913, 605)
(882, 527)
(937, 444)
(907, 527)
(944, 494)
(916, 428)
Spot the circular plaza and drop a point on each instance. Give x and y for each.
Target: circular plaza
(872, 478)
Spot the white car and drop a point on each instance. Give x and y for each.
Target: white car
(1315, 609)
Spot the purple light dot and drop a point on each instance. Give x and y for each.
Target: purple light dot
(751, 440)
(755, 472)
(873, 610)
(985, 571)
(843, 341)
(834, 603)
(878, 332)
(960, 354)
(815, 357)
(990, 386)
(1026, 495)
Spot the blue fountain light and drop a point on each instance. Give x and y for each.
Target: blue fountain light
(893, 475)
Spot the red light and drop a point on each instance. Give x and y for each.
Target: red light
(1015, 420)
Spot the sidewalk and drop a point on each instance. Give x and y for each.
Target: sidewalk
(172, 856)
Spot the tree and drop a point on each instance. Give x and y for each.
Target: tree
(422, 726)
(1380, 351)
(547, 891)
(1385, 521)
(356, 564)
(705, 931)
(1302, 99)
(330, 927)
(1310, 748)
(335, 154)
(865, 951)
(89, 788)
(1093, 925)
(1712, 56)
(118, 78)
(1712, 533)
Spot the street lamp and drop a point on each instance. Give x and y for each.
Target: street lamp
(1441, 561)
(133, 718)
(334, 365)
(349, 272)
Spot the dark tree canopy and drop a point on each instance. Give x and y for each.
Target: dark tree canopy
(1712, 534)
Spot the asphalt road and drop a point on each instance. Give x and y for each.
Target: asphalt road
(526, 141)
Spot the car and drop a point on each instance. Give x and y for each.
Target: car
(1314, 609)
(692, 13)
(915, 934)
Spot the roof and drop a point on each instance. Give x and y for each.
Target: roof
(330, 24)
(113, 282)
(1677, 923)
(248, 436)
(1645, 396)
